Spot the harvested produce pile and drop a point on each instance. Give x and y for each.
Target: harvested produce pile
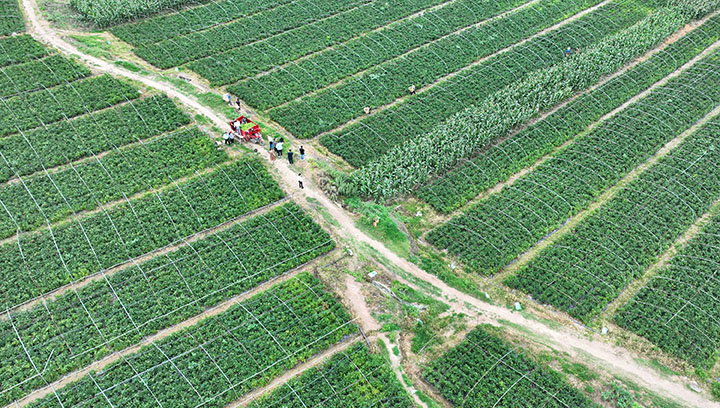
(484, 371)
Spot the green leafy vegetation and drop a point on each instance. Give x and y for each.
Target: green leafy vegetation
(465, 181)
(676, 309)
(19, 49)
(484, 371)
(221, 357)
(495, 231)
(117, 175)
(63, 142)
(354, 377)
(11, 21)
(148, 297)
(588, 267)
(44, 261)
(38, 74)
(63, 102)
(331, 65)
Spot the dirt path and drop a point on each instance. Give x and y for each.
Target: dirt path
(353, 293)
(396, 365)
(602, 356)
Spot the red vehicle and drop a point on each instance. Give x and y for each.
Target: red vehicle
(246, 128)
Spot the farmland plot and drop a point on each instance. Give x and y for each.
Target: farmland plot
(495, 231)
(219, 359)
(19, 49)
(63, 102)
(39, 74)
(47, 260)
(11, 20)
(148, 297)
(63, 142)
(484, 371)
(498, 163)
(167, 26)
(121, 173)
(354, 377)
(324, 68)
(372, 137)
(588, 267)
(244, 61)
(387, 82)
(678, 308)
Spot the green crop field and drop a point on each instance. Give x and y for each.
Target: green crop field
(499, 203)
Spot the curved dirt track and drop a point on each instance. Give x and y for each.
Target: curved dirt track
(602, 356)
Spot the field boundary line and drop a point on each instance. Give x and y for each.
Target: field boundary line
(653, 270)
(101, 364)
(353, 38)
(404, 54)
(107, 272)
(80, 215)
(524, 171)
(523, 259)
(468, 67)
(299, 369)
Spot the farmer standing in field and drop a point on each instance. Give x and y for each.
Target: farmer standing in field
(412, 89)
(290, 156)
(226, 137)
(302, 152)
(300, 181)
(231, 138)
(279, 147)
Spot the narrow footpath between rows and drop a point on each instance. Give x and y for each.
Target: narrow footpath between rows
(601, 356)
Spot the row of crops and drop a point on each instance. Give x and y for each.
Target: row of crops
(380, 85)
(390, 133)
(485, 371)
(325, 68)
(220, 358)
(588, 267)
(678, 308)
(112, 314)
(495, 231)
(498, 163)
(48, 259)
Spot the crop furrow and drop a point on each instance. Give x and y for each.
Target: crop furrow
(122, 173)
(589, 266)
(63, 102)
(507, 224)
(371, 137)
(64, 142)
(191, 20)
